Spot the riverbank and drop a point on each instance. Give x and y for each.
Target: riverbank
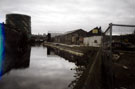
(75, 53)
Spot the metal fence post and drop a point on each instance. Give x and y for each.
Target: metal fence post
(110, 39)
(111, 62)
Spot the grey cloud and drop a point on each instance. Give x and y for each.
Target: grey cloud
(67, 15)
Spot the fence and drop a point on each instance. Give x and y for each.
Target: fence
(107, 55)
(116, 37)
(117, 33)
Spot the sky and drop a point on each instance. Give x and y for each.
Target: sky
(67, 15)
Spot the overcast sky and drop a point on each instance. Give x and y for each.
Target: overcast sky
(67, 15)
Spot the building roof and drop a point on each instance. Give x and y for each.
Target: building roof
(95, 32)
(81, 32)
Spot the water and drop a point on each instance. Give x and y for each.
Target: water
(44, 72)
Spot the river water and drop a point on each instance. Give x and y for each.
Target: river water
(43, 72)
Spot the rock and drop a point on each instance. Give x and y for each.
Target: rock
(116, 57)
(123, 88)
(125, 67)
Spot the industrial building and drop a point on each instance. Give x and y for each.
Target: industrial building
(94, 37)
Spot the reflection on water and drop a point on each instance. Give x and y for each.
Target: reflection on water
(44, 72)
(16, 58)
(50, 52)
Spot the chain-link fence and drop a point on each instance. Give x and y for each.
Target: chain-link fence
(117, 40)
(118, 36)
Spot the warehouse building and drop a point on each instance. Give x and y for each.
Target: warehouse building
(94, 38)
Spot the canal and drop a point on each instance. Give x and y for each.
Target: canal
(44, 72)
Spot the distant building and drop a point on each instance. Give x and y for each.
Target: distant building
(94, 37)
(49, 37)
(55, 34)
(72, 37)
(44, 35)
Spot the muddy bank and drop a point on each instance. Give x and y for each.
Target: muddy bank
(78, 55)
(123, 68)
(91, 76)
